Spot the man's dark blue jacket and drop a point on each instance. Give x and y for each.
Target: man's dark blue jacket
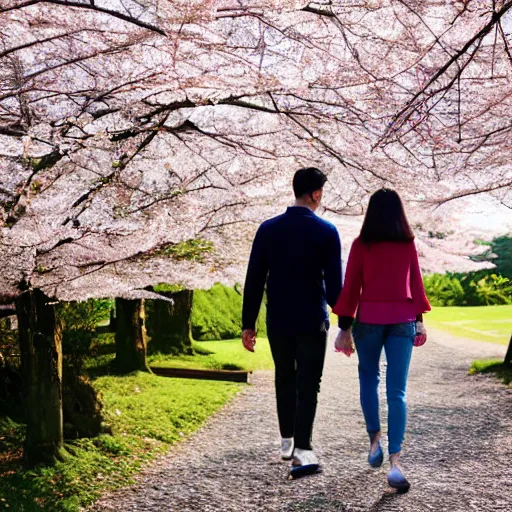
(298, 256)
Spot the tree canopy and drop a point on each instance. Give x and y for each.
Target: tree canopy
(139, 140)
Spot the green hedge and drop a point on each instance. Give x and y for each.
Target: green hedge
(481, 288)
(217, 314)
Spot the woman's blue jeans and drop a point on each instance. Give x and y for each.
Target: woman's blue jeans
(397, 340)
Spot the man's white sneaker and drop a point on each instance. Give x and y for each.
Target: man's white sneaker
(304, 463)
(287, 448)
(304, 458)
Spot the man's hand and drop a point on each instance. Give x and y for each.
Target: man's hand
(345, 343)
(249, 339)
(421, 335)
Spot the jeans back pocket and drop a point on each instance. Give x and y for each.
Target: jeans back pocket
(361, 331)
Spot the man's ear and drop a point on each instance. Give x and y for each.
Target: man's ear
(316, 196)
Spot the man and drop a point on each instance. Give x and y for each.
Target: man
(298, 256)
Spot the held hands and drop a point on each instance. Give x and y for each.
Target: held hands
(344, 342)
(249, 339)
(421, 335)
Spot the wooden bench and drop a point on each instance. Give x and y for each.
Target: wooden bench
(189, 373)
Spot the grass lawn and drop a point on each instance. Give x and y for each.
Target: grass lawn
(482, 323)
(221, 355)
(146, 415)
(496, 366)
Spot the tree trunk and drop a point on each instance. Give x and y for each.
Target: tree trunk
(40, 336)
(130, 336)
(169, 324)
(508, 355)
(113, 320)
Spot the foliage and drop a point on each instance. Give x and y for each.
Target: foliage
(84, 315)
(493, 289)
(11, 385)
(168, 288)
(217, 314)
(502, 371)
(443, 290)
(439, 235)
(502, 247)
(79, 322)
(101, 355)
(490, 323)
(81, 406)
(190, 250)
(468, 289)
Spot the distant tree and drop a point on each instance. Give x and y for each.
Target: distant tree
(502, 247)
(169, 322)
(130, 337)
(500, 254)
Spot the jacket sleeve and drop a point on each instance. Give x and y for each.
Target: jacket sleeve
(254, 282)
(419, 297)
(332, 268)
(348, 301)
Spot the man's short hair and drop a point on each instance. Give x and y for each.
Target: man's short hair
(307, 181)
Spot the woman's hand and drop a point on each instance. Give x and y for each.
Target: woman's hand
(421, 335)
(344, 342)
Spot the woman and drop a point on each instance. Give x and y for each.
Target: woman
(383, 284)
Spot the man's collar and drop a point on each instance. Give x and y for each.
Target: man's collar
(299, 210)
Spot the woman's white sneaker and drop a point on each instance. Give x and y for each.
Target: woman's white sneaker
(287, 446)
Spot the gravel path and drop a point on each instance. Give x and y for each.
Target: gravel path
(457, 455)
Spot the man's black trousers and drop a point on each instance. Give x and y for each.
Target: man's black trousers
(299, 362)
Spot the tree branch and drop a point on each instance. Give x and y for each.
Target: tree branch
(91, 7)
(405, 113)
(472, 192)
(41, 41)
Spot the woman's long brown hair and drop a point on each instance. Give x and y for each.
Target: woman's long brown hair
(385, 219)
